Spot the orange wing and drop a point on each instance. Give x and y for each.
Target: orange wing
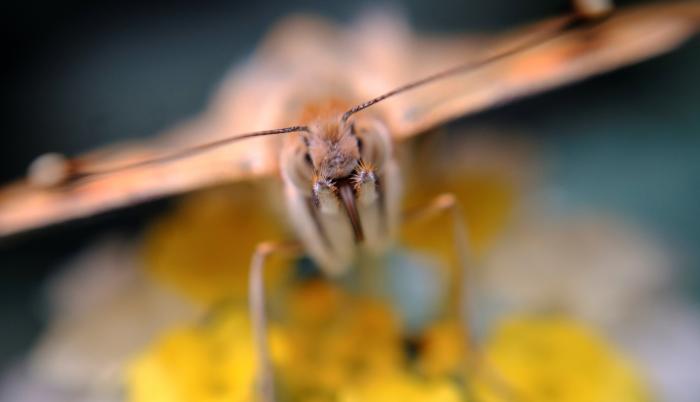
(24, 206)
(305, 59)
(628, 36)
(261, 94)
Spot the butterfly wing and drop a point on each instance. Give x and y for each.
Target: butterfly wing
(305, 55)
(628, 36)
(258, 95)
(24, 205)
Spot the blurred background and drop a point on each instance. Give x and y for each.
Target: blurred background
(81, 74)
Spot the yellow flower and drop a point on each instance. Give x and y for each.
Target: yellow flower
(352, 349)
(203, 248)
(443, 350)
(555, 359)
(336, 338)
(328, 344)
(316, 351)
(204, 363)
(402, 387)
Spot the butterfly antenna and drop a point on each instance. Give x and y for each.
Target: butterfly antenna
(54, 169)
(563, 27)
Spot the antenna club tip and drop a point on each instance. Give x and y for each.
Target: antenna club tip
(593, 8)
(50, 169)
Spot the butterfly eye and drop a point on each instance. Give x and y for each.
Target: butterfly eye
(359, 144)
(307, 158)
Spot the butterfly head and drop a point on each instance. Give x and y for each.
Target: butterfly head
(338, 164)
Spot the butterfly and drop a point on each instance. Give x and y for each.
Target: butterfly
(344, 100)
(270, 90)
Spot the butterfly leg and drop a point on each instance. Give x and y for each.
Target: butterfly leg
(458, 296)
(256, 298)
